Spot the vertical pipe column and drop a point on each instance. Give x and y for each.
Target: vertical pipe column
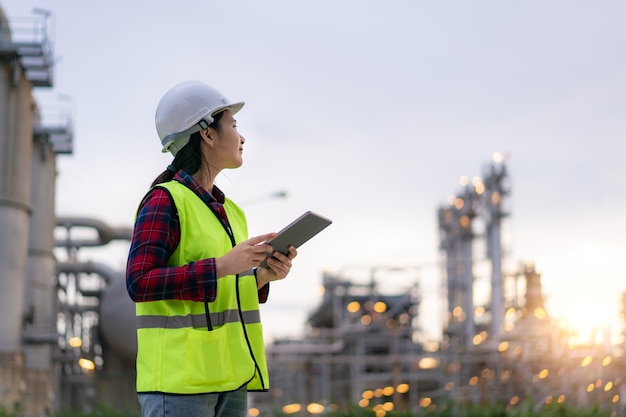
(495, 192)
(16, 146)
(497, 296)
(468, 293)
(40, 299)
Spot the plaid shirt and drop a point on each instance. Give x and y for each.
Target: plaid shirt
(155, 238)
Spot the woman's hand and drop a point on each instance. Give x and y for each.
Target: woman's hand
(278, 266)
(245, 255)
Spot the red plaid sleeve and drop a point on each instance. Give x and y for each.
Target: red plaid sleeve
(155, 237)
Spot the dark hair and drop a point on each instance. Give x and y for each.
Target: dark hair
(190, 157)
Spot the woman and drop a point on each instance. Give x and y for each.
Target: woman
(192, 271)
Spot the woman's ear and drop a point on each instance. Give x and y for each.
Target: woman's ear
(206, 136)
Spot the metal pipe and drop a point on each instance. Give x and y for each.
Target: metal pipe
(105, 232)
(88, 267)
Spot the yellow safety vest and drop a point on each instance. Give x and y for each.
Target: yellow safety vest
(177, 353)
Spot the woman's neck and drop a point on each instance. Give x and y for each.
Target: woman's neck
(204, 179)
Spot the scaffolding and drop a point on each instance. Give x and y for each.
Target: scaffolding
(27, 46)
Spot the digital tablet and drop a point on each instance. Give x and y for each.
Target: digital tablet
(297, 233)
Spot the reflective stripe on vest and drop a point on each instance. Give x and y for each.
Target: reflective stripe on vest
(176, 353)
(196, 321)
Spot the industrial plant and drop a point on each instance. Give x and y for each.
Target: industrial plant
(67, 330)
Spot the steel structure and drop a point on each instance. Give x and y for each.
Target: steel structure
(27, 189)
(359, 338)
(507, 350)
(50, 307)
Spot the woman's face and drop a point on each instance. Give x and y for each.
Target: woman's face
(227, 143)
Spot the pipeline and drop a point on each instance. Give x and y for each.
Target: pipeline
(105, 232)
(88, 267)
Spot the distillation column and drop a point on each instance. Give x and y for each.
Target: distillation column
(455, 225)
(40, 335)
(492, 205)
(16, 147)
(27, 174)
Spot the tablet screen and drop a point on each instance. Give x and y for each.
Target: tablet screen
(298, 232)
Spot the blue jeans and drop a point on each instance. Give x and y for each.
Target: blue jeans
(225, 404)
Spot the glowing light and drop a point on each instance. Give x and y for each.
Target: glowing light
(497, 157)
(539, 313)
(464, 222)
(459, 203)
(496, 198)
(315, 408)
(353, 307)
(514, 400)
(560, 399)
(615, 398)
(380, 413)
(364, 403)
(426, 402)
(590, 387)
(543, 374)
(473, 380)
(368, 395)
(378, 392)
(365, 320)
(506, 375)
(380, 307)
(254, 412)
(510, 313)
(586, 361)
(428, 363)
(464, 180)
(388, 391)
(388, 406)
(75, 342)
(292, 408)
(503, 347)
(608, 387)
(449, 386)
(402, 388)
(607, 360)
(457, 312)
(86, 364)
(479, 311)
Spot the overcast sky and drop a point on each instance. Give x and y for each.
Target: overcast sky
(367, 112)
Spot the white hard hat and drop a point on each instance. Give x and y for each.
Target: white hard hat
(187, 108)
